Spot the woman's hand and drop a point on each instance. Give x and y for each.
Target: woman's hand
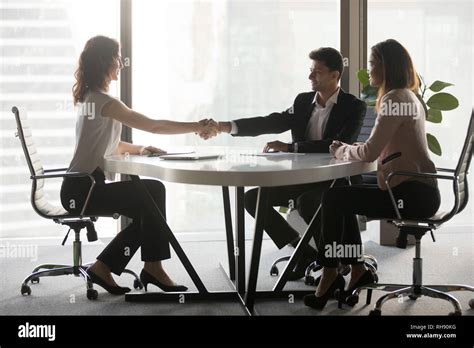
(146, 150)
(336, 148)
(336, 144)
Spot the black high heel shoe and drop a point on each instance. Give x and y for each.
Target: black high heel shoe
(112, 289)
(318, 302)
(345, 296)
(146, 278)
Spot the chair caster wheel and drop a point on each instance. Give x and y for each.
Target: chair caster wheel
(92, 294)
(137, 284)
(455, 313)
(274, 271)
(352, 300)
(375, 313)
(35, 280)
(471, 303)
(25, 290)
(309, 280)
(413, 297)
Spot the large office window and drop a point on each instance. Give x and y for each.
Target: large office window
(439, 37)
(226, 60)
(40, 42)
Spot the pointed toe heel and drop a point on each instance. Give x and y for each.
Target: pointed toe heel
(146, 278)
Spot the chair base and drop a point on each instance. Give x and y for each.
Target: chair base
(52, 270)
(414, 292)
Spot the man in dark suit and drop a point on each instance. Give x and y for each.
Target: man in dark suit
(315, 120)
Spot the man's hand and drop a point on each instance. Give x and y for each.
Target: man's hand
(146, 150)
(276, 146)
(207, 128)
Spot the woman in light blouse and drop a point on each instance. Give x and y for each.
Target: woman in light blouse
(98, 130)
(398, 143)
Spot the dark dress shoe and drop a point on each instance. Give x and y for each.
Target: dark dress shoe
(112, 289)
(146, 278)
(319, 302)
(367, 278)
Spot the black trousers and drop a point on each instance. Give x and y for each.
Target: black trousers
(339, 229)
(128, 199)
(305, 198)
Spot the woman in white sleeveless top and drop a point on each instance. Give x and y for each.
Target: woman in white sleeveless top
(98, 130)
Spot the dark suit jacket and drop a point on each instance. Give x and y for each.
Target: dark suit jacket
(344, 122)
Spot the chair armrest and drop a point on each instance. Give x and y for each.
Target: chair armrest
(70, 175)
(414, 174)
(445, 170)
(62, 175)
(55, 170)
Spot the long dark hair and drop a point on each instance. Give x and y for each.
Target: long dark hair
(397, 68)
(95, 63)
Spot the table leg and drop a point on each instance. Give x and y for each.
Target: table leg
(151, 205)
(262, 201)
(229, 232)
(280, 284)
(240, 237)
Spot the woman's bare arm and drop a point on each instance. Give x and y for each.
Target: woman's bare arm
(120, 112)
(132, 149)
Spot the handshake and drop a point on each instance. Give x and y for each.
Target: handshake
(209, 128)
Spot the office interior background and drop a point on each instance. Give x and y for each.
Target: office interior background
(193, 59)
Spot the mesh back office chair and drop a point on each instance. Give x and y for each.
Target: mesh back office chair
(369, 178)
(60, 216)
(418, 228)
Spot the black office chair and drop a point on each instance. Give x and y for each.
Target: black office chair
(418, 228)
(59, 215)
(311, 273)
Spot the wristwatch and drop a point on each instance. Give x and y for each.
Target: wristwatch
(293, 147)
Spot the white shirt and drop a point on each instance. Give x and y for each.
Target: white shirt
(97, 136)
(319, 117)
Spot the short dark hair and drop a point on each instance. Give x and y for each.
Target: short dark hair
(331, 57)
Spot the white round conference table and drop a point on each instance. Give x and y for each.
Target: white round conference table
(240, 168)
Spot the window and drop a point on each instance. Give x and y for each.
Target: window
(440, 40)
(40, 42)
(226, 60)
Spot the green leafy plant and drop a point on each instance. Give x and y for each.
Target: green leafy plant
(436, 102)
